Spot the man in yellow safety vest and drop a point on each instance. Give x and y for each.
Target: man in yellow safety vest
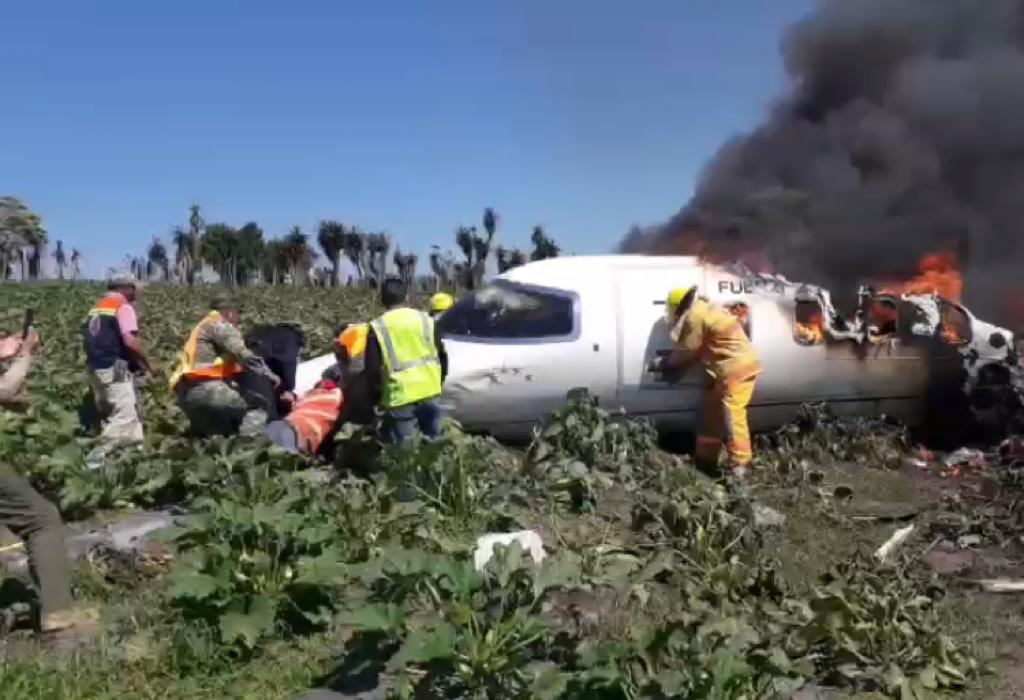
(405, 365)
(707, 334)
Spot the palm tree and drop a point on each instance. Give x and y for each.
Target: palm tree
(250, 252)
(60, 259)
(442, 264)
(331, 235)
(297, 253)
(483, 246)
(219, 249)
(37, 244)
(76, 264)
(157, 257)
(183, 246)
(275, 262)
(377, 247)
(406, 266)
(543, 246)
(509, 258)
(465, 238)
(196, 224)
(355, 247)
(22, 229)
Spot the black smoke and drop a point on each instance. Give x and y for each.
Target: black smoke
(902, 134)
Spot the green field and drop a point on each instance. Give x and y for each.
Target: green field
(658, 582)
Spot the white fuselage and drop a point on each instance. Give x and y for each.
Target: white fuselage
(518, 346)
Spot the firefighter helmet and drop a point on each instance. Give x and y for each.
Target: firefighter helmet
(679, 299)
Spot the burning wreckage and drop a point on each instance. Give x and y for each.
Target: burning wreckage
(518, 345)
(973, 375)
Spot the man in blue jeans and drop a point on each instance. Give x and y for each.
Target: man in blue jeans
(405, 367)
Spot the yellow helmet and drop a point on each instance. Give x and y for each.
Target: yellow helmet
(441, 302)
(676, 297)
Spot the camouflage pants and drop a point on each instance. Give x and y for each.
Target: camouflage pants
(222, 408)
(117, 401)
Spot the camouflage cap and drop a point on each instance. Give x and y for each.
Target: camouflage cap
(122, 278)
(225, 301)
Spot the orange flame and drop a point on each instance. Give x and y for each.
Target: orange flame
(809, 328)
(937, 274)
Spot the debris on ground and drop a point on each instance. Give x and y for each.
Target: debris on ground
(962, 461)
(898, 538)
(529, 540)
(1002, 585)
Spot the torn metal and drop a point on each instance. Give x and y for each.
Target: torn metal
(991, 362)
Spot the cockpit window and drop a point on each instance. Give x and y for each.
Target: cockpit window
(955, 324)
(510, 311)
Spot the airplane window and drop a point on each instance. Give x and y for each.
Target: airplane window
(509, 311)
(955, 324)
(742, 312)
(883, 317)
(809, 323)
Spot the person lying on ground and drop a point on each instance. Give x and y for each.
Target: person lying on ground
(312, 421)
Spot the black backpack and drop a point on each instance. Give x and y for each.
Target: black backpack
(279, 345)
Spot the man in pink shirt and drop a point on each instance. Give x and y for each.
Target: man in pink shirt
(114, 355)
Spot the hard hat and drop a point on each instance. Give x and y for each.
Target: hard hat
(675, 298)
(121, 278)
(441, 302)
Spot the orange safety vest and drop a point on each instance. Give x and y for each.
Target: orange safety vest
(102, 335)
(187, 367)
(314, 416)
(354, 338)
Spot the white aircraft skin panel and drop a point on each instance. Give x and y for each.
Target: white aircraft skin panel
(506, 387)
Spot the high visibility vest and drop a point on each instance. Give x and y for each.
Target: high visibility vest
(187, 366)
(314, 416)
(412, 370)
(353, 339)
(101, 334)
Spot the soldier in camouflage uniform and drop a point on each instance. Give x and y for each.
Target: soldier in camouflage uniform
(221, 385)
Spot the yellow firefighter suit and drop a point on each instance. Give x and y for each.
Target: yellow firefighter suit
(715, 338)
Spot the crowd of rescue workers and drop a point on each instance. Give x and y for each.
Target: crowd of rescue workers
(389, 373)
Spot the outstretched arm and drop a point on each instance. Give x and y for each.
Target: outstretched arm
(229, 341)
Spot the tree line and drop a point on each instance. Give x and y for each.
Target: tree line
(23, 242)
(244, 256)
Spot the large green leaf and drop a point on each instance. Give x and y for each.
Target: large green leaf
(248, 622)
(428, 644)
(193, 585)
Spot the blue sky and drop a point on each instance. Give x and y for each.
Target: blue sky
(583, 115)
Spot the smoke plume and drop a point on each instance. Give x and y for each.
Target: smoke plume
(902, 135)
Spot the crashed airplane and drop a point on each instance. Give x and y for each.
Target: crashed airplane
(518, 345)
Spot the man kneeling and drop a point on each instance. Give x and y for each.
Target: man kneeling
(311, 421)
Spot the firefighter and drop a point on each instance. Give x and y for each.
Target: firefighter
(439, 303)
(221, 385)
(311, 421)
(114, 355)
(710, 335)
(405, 366)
